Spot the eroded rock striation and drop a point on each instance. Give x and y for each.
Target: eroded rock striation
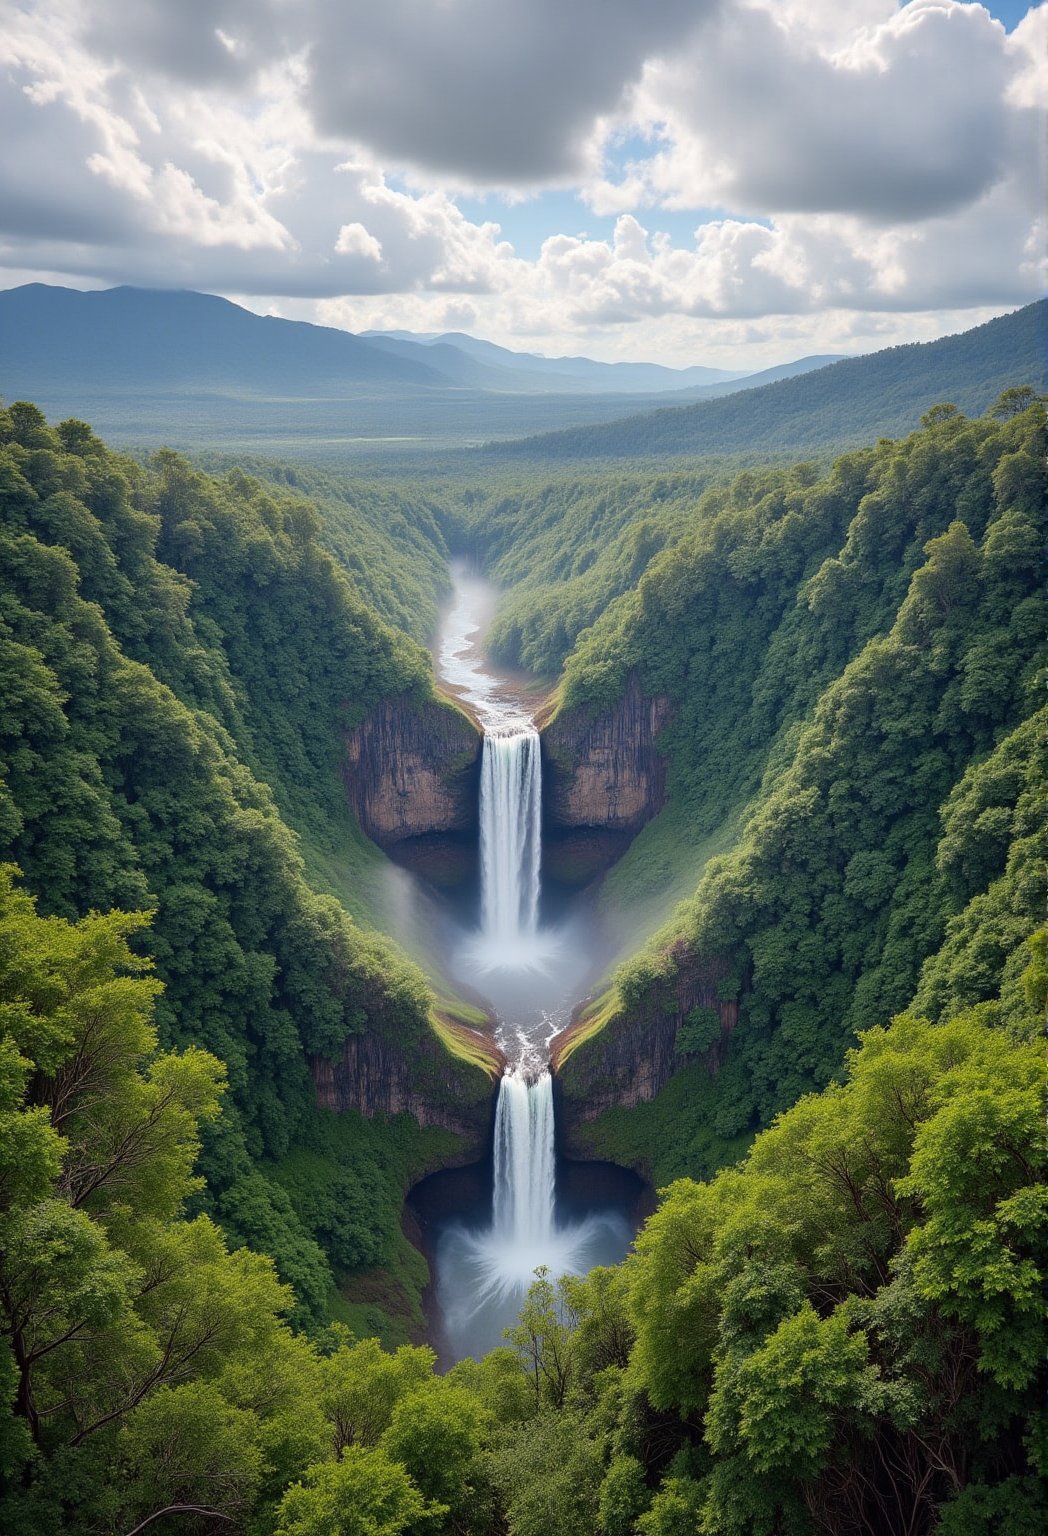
(635, 1053)
(411, 771)
(375, 1075)
(605, 771)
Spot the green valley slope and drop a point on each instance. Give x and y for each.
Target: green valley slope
(181, 659)
(853, 401)
(852, 667)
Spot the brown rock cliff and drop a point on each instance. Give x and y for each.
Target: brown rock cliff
(636, 1052)
(411, 770)
(605, 771)
(376, 1076)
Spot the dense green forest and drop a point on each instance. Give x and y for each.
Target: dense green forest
(388, 535)
(853, 662)
(843, 1332)
(841, 1328)
(180, 658)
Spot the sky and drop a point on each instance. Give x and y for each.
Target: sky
(728, 182)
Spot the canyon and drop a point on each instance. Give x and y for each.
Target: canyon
(412, 774)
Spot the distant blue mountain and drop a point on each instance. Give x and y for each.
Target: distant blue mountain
(129, 338)
(162, 340)
(562, 373)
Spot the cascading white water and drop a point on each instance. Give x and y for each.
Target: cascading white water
(510, 939)
(483, 1274)
(510, 837)
(525, 1166)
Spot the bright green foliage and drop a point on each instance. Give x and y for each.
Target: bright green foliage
(440, 1433)
(498, 1382)
(187, 1445)
(860, 1303)
(855, 660)
(674, 1510)
(363, 1494)
(145, 1368)
(548, 1473)
(624, 1497)
(544, 1340)
(180, 658)
(120, 1319)
(362, 1385)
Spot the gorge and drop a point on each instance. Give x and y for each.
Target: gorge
(291, 935)
(531, 971)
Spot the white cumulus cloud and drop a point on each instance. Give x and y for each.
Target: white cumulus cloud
(852, 167)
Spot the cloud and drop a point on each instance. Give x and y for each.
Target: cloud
(489, 94)
(843, 158)
(196, 42)
(484, 93)
(912, 120)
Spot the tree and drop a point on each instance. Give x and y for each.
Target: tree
(543, 1338)
(363, 1494)
(439, 1433)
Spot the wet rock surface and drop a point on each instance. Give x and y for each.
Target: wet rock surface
(411, 771)
(635, 1054)
(375, 1077)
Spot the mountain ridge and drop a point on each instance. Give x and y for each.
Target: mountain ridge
(857, 399)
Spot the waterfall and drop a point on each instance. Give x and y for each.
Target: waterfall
(509, 939)
(510, 836)
(525, 1170)
(527, 972)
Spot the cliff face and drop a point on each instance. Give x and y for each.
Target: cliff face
(411, 771)
(605, 772)
(628, 1060)
(376, 1076)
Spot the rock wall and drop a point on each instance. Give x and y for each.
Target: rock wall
(411, 770)
(605, 771)
(375, 1076)
(635, 1054)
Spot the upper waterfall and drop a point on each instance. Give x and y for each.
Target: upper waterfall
(510, 837)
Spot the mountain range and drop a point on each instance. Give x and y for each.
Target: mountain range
(188, 367)
(192, 370)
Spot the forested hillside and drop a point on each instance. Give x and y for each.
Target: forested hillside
(852, 665)
(564, 546)
(845, 1331)
(841, 1328)
(387, 534)
(853, 401)
(180, 661)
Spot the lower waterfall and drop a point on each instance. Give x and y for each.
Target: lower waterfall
(524, 1190)
(484, 1273)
